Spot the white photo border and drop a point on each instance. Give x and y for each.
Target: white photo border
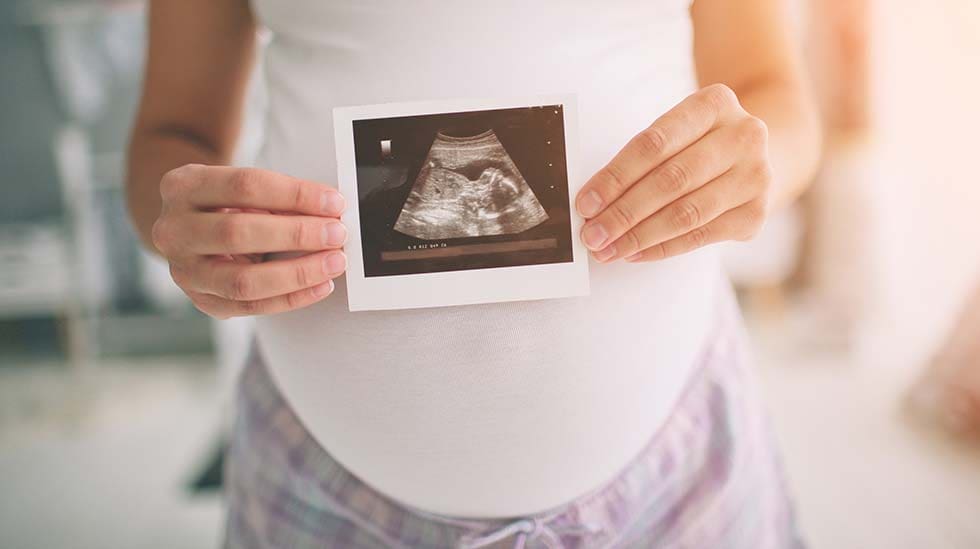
(465, 287)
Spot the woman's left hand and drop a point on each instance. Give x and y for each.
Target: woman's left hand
(700, 174)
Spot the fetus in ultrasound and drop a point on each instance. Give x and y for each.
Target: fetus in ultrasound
(469, 186)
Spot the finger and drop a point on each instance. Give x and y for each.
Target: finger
(230, 187)
(263, 280)
(222, 308)
(742, 223)
(728, 191)
(674, 131)
(246, 233)
(703, 161)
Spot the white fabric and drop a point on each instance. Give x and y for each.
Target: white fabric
(502, 409)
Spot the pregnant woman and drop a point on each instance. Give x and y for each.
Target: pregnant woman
(621, 419)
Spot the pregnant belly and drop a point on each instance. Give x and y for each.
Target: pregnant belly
(502, 409)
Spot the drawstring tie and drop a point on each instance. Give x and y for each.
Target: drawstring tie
(526, 530)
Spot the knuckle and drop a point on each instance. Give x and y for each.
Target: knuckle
(217, 314)
(209, 308)
(299, 196)
(762, 176)
(754, 130)
(673, 178)
(651, 142)
(241, 286)
(300, 235)
(175, 181)
(161, 234)
(615, 178)
(179, 275)
(747, 235)
(698, 237)
(631, 242)
(656, 252)
(245, 184)
(304, 278)
(622, 214)
(231, 231)
(203, 308)
(294, 300)
(755, 219)
(758, 212)
(686, 216)
(762, 172)
(720, 97)
(169, 184)
(249, 308)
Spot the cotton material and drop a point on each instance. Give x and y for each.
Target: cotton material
(528, 404)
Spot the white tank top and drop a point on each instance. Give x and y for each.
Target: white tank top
(502, 409)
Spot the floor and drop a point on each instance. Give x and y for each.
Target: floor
(866, 473)
(101, 459)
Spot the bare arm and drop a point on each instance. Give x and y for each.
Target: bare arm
(214, 223)
(747, 46)
(198, 65)
(712, 167)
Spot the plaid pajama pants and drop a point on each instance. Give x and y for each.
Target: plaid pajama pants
(709, 479)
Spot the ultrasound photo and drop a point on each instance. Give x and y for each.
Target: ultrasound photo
(462, 190)
(460, 201)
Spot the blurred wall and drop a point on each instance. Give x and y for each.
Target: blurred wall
(926, 98)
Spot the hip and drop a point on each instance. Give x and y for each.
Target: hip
(690, 486)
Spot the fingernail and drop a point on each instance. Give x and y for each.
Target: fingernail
(604, 254)
(335, 263)
(594, 236)
(633, 257)
(334, 234)
(331, 203)
(589, 204)
(323, 289)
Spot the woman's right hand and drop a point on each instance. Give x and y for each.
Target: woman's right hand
(217, 223)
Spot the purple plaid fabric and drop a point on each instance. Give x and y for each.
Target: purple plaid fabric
(709, 479)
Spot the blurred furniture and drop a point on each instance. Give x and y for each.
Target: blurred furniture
(66, 246)
(41, 213)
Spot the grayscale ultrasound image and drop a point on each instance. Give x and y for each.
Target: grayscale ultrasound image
(459, 191)
(469, 186)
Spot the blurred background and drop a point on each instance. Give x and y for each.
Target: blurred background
(114, 391)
